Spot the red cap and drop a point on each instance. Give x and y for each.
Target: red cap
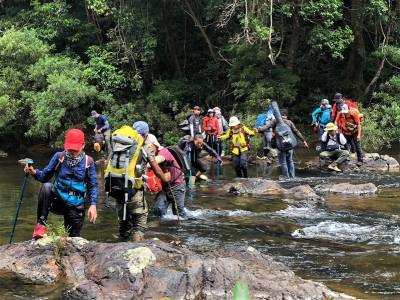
(196, 108)
(74, 140)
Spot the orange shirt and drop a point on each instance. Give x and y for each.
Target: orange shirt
(352, 117)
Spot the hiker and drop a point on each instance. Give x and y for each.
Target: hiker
(338, 101)
(136, 210)
(333, 147)
(194, 122)
(102, 126)
(321, 116)
(286, 157)
(211, 129)
(240, 145)
(194, 148)
(348, 121)
(75, 177)
(173, 191)
(223, 127)
(267, 135)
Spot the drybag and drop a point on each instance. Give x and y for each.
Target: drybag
(181, 158)
(285, 139)
(153, 182)
(121, 181)
(260, 122)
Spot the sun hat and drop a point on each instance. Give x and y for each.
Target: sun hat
(184, 123)
(151, 139)
(74, 140)
(217, 113)
(345, 109)
(141, 127)
(233, 121)
(324, 101)
(210, 111)
(330, 126)
(216, 108)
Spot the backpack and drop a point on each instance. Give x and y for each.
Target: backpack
(285, 139)
(183, 141)
(325, 146)
(260, 120)
(181, 158)
(61, 158)
(246, 137)
(121, 182)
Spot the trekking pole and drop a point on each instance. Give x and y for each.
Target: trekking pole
(191, 194)
(30, 163)
(176, 207)
(298, 160)
(217, 159)
(255, 147)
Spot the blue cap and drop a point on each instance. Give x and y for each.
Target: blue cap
(141, 127)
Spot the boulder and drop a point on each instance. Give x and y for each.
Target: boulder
(152, 269)
(255, 186)
(347, 189)
(3, 154)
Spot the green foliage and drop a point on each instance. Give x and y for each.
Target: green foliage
(59, 235)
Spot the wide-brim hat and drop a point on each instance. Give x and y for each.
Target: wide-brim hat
(184, 123)
(330, 126)
(233, 121)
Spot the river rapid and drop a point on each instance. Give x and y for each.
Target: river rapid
(350, 243)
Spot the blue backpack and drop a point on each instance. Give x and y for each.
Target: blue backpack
(261, 120)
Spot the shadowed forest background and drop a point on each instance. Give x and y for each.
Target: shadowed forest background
(154, 60)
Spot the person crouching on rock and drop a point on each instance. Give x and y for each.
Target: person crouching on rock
(333, 145)
(75, 177)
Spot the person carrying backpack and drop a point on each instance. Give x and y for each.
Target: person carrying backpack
(75, 177)
(173, 191)
(102, 126)
(333, 147)
(286, 157)
(223, 127)
(338, 101)
(194, 148)
(263, 120)
(211, 129)
(324, 115)
(239, 133)
(194, 122)
(348, 120)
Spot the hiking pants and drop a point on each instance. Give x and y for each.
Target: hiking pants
(320, 133)
(107, 138)
(50, 201)
(335, 157)
(286, 160)
(197, 165)
(353, 138)
(267, 136)
(240, 163)
(166, 197)
(210, 140)
(135, 222)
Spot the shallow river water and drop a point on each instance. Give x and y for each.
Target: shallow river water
(351, 244)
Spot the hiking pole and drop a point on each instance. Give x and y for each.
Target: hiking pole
(217, 159)
(298, 160)
(255, 147)
(176, 207)
(190, 180)
(30, 163)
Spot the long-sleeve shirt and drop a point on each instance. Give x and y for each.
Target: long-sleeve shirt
(102, 123)
(211, 123)
(194, 124)
(272, 124)
(238, 138)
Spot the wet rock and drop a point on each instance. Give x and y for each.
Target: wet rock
(347, 189)
(3, 154)
(373, 162)
(256, 186)
(152, 269)
(305, 192)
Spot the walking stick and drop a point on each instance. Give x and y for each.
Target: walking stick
(30, 163)
(298, 160)
(176, 207)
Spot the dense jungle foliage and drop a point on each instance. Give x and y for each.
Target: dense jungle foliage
(154, 60)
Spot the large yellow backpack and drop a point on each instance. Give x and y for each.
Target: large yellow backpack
(122, 177)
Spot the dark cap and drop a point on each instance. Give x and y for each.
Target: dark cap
(339, 102)
(93, 113)
(196, 108)
(337, 96)
(284, 112)
(324, 101)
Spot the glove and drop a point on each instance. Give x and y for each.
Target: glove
(219, 158)
(318, 148)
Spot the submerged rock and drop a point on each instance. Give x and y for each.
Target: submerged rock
(152, 269)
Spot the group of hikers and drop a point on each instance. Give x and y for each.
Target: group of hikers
(136, 160)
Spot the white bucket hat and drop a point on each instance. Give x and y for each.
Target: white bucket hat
(151, 139)
(233, 121)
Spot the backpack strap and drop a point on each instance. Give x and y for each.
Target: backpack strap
(87, 165)
(61, 157)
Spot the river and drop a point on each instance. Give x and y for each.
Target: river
(350, 243)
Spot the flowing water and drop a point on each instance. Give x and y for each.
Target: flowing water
(350, 243)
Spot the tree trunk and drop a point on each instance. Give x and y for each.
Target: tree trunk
(294, 39)
(169, 37)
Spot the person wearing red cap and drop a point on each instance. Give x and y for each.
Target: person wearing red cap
(75, 178)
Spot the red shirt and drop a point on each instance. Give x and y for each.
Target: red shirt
(211, 122)
(175, 170)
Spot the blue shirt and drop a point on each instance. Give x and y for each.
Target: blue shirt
(102, 123)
